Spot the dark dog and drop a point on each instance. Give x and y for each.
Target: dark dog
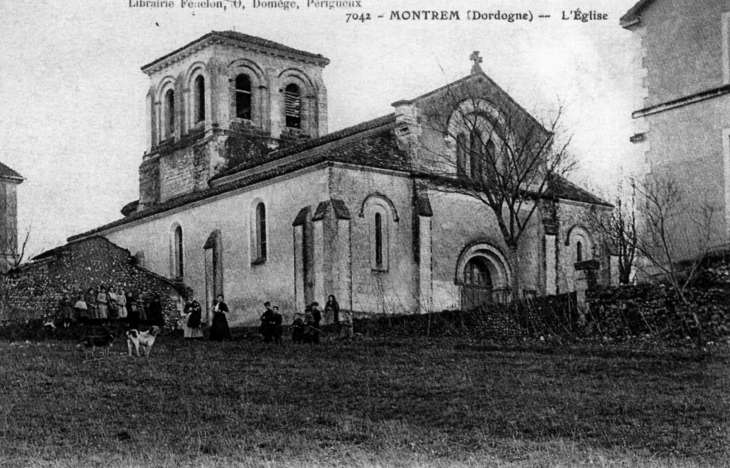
(90, 343)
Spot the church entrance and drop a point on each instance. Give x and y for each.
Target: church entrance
(477, 287)
(483, 276)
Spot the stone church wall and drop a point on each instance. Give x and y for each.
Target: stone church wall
(460, 221)
(573, 219)
(394, 290)
(246, 286)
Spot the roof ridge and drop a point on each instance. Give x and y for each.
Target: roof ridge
(313, 143)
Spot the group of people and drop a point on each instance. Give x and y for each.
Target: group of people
(105, 304)
(306, 327)
(193, 323)
(99, 304)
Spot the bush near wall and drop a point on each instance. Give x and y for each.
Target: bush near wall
(34, 290)
(485, 322)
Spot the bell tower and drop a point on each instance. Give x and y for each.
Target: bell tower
(225, 99)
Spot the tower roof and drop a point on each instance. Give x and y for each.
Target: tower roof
(244, 40)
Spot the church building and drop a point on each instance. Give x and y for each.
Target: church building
(243, 192)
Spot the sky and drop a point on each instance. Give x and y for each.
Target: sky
(72, 93)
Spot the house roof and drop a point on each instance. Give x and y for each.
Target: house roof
(7, 173)
(560, 187)
(49, 255)
(633, 16)
(247, 40)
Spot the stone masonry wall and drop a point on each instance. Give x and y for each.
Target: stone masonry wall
(34, 290)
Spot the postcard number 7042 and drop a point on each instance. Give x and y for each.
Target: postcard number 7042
(362, 17)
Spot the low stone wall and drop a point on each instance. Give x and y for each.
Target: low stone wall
(34, 290)
(658, 311)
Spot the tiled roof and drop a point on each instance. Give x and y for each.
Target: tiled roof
(253, 40)
(561, 187)
(387, 120)
(378, 149)
(634, 13)
(7, 173)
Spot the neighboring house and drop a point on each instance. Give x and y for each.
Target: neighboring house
(243, 192)
(682, 108)
(9, 181)
(34, 289)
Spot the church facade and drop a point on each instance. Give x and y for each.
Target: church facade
(243, 192)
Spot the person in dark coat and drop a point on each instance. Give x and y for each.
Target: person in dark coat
(193, 316)
(267, 323)
(297, 329)
(65, 311)
(133, 315)
(316, 319)
(309, 330)
(278, 320)
(90, 300)
(154, 312)
(332, 310)
(219, 330)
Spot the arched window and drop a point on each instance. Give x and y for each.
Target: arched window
(490, 154)
(178, 262)
(199, 98)
(461, 154)
(293, 106)
(169, 125)
(378, 240)
(476, 154)
(260, 232)
(243, 97)
(578, 252)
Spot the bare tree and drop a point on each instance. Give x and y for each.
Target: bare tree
(504, 158)
(618, 228)
(9, 248)
(676, 235)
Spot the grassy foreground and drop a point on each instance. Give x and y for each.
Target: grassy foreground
(370, 403)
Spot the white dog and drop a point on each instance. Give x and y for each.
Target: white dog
(145, 339)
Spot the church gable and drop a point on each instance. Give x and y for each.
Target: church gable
(424, 125)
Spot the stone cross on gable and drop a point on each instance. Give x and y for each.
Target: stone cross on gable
(474, 57)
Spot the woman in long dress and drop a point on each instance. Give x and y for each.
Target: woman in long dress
(192, 320)
(219, 330)
(122, 304)
(102, 304)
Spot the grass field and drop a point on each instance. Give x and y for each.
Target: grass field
(370, 403)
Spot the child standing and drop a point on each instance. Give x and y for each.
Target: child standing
(297, 329)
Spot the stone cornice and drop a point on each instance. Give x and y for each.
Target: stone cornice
(215, 38)
(683, 101)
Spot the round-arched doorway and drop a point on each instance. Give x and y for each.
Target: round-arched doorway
(477, 285)
(483, 276)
